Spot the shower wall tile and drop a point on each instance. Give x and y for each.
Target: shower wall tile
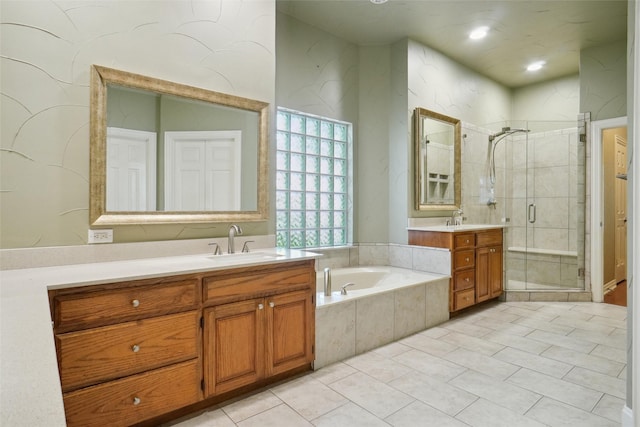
(552, 150)
(552, 212)
(551, 238)
(518, 236)
(551, 182)
(543, 272)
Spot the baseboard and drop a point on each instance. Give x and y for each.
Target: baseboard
(627, 417)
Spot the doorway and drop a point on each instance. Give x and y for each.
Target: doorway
(608, 211)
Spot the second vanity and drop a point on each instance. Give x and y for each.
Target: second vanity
(476, 260)
(148, 340)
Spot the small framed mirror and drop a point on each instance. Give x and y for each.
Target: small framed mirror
(163, 152)
(437, 140)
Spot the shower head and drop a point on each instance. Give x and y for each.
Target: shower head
(492, 140)
(506, 131)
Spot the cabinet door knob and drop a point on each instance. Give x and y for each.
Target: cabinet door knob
(135, 303)
(135, 348)
(260, 306)
(272, 304)
(136, 400)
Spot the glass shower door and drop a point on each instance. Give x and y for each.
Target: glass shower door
(546, 208)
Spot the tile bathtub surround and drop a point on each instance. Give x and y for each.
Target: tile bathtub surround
(351, 327)
(541, 364)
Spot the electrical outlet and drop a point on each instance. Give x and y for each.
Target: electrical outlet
(100, 236)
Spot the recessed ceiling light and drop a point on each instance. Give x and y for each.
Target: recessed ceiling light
(378, 1)
(479, 33)
(535, 66)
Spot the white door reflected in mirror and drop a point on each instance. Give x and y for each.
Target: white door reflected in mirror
(203, 170)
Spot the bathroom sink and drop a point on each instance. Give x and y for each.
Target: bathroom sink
(244, 257)
(453, 228)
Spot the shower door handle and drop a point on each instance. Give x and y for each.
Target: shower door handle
(532, 213)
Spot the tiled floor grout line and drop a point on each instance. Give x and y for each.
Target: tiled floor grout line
(577, 353)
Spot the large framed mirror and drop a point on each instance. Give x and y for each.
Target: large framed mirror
(164, 152)
(437, 140)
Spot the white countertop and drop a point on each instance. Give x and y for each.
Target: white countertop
(30, 386)
(456, 228)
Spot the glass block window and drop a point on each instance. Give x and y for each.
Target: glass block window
(312, 180)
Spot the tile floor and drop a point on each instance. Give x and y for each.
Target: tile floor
(514, 364)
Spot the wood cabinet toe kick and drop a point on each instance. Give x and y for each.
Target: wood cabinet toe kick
(136, 351)
(476, 263)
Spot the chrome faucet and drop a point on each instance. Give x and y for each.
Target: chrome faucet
(344, 288)
(327, 282)
(216, 250)
(233, 230)
(456, 217)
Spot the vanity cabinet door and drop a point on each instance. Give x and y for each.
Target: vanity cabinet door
(233, 345)
(289, 331)
(488, 273)
(495, 271)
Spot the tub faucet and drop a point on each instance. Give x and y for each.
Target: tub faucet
(327, 282)
(344, 287)
(233, 230)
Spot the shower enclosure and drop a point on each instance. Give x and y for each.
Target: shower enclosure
(539, 174)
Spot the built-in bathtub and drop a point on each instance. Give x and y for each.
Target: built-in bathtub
(385, 304)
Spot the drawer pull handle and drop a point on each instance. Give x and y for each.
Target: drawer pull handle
(467, 241)
(466, 298)
(272, 304)
(466, 280)
(260, 306)
(467, 259)
(136, 401)
(135, 303)
(135, 348)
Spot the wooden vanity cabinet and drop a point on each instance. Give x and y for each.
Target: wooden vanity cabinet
(145, 351)
(476, 263)
(128, 352)
(250, 340)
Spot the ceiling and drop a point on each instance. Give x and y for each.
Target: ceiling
(521, 31)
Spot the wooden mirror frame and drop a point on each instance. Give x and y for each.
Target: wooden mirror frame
(418, 115)
(98, 215)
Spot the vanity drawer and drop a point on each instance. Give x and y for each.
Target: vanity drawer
(94, 355)
(464, 299)
(134, 399)
(461, 241)
(464, 280)
(236, 286)
(489, 237)
(88, 309)
(463, 259)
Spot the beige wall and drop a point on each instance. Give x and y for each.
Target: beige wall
(557, 99)
(603, 81)
(44, 178)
